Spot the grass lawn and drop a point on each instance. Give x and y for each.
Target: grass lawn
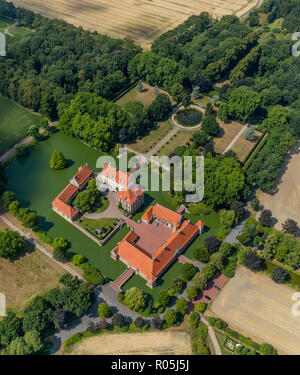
(146, 97)
(179, 139)
(32, 274)
(145, 144)
(14, 123)
(242, 146)
(106, 225)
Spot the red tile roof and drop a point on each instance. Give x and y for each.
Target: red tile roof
(164, 213)
(115, 175)
(130, 196)
(142, 260)
(63, 207)
(68, 192)
(200, 224)
(83, 174)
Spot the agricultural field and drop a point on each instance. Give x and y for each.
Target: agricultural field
(261, 309)
(152, 343)
(141, 20)
(14, 123)
(285, 202)
(32, 274)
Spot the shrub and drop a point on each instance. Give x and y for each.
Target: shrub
(202, 330)
(93, 276)
(134, 299)
(220, 324)
(194, 319)
(57, 160)
(200, 307)
(267, 349)
(104, 311)
(279, 275)
(211, 320)
(77, 259)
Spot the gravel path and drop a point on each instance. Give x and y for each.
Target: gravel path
(212, 336)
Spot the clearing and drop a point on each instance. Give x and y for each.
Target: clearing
(32, 274)
(285, 203)
(153, 343)
(259, 307)
(14, 123)
(242, 146)
(141, 20)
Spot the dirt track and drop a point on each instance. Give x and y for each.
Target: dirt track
(153, 343)
(258, 306)
(140, 19)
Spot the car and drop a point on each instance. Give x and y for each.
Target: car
(216, 287)
(207, 297)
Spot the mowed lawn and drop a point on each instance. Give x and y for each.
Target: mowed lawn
(32, 274)
(146, 97)
(181, 138)
(261, 309)
(14, 123)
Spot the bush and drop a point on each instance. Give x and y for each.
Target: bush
(267, 349)
(200, 307)
(77, 259)
(57, 160)
(202, 330)
(194, 319)
(93, 276)
(220, 324)
(211, 320)
(104, 311)
(279, 275)
(134, 299)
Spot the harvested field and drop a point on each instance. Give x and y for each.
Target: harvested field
(142, 20)
(285, 203)
(153, 343)
(258, 307)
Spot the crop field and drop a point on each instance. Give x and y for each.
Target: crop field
(142, 20)
(260, 309)
(153, 343)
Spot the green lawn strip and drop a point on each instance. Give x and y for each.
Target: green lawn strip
(14, 123)
(221, 337)
(105, 225)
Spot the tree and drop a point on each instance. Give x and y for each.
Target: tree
(209, 270)
(85, 200)
(57, 160)
(14, 208)
(196, 92)
(255, 204)
(60, 254)
(227, 219)
(200, 138)
(37, 315)
(250, 134)
(279, 275)
(242, 103)
(170, 317)
(140, 86)
(199, 281)
(290, 226)
(21, 150)
(164, 298)
(200, 307)
(60, 242)
(238, 208)
(160, 108)
(177, 92)
(34, 131)
(267, 349)
(17, 347)
(194, 319)
(118, 320)
(156, 322)
(212, 244)
(103, 324)
(10, 328)
(201, 254)
(176, 286)
(7, 198)
(139, 322)
(252, 260)
(134, 299)
(210, 125)
(181, 306)
(93, 276)
(33, 341)
(77, 259)
(265, 218)
(217, 259)
(11, 244)
(59, 318)
(223, 112)
(186, 100)
(188, 271)
(192, 293)
(104, 311)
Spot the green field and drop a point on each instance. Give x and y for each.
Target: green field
(14, 123)
(15, 33)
